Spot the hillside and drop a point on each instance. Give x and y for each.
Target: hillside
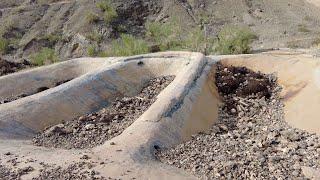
(73, 28)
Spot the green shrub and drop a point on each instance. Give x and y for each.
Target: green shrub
(52, 38)
(197, 41)
(303, 28)
(92, 17)
(316, 42)
(95, 36)
(234, 40)
(92, 51)
(127, 45)
(108, 9)
(4, 46)
(168, 36)
(109, 16)
(44, 56)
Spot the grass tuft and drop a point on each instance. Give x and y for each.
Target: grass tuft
(4, 46)
(127, 45)
(44, 56)
(234, 40)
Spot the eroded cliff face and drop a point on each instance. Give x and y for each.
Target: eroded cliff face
(70, 27)
(65, 27)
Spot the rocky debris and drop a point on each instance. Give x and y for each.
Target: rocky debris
(235, 83)
(10, 174)
(251, 141)
(7, 67)
(40, 89)
(95, 128)
(311, 173)
(76, 171)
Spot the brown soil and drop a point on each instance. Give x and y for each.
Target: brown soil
(242, 82)
(96, 128)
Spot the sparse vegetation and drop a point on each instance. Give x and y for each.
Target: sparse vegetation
(170, 36)
(51, 38)
(108, 9)
(4, 46)
(44, 56)
(303, 28)
(293, 44)
(127, 45)
(234, 40)
(92, 17)
(95, 36)
(197, 41)
(316, 43)
(92, 50)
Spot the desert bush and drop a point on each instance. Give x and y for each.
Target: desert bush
(316, 42)
(95, 36)
(108, 9)
(303, 28)
(52, 38)
(127, 45)
(170, 36)
(44, 56)
(92, 50)
(197, 41)
(92, 17)
(4, 46)
(234, 40)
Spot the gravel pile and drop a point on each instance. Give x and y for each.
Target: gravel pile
(251, 140)
(13, 98)
(77, 171)
(7, 67)
(10, 174)
(95, 128)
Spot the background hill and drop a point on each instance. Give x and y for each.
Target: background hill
(64, 29)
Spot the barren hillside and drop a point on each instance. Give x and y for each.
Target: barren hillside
(71, 27)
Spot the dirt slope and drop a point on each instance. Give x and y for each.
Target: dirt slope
(62, 25)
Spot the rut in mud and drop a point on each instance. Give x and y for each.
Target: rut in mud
(251, 139)
(96, 128)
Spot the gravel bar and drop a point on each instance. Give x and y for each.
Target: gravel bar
(251, 139)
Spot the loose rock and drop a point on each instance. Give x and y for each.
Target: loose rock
(255, 142)
(96, 128)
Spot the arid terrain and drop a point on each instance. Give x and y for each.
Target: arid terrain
(159, 89)
(75, 28)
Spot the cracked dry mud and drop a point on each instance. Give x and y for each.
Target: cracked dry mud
(96, 128)
(251, 139)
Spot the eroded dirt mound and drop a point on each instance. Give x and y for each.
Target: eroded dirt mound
(251, 140)
(94, 129)
(7, 67)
